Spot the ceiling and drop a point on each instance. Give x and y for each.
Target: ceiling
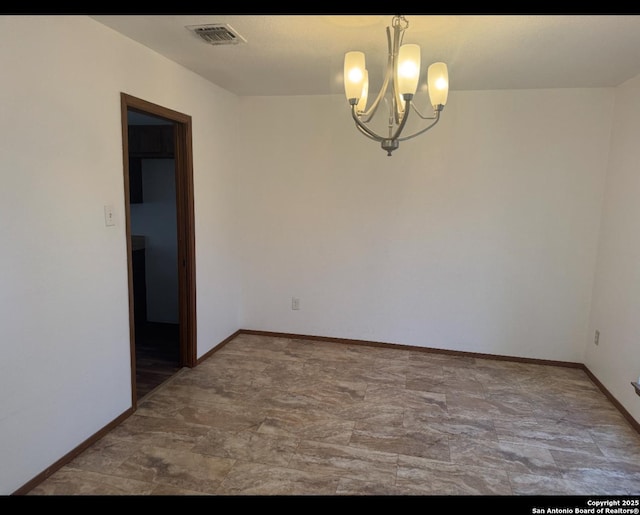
(303, 54)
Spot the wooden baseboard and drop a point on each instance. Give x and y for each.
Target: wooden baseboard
(217, 347)
(633, 422)
(97, 436)
(72, 454)
(414, 348)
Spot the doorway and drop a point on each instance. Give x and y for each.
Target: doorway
(158, 179)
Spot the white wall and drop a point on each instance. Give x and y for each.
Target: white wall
(155, 219)
(616, 294)
(65, 368)
(479, 236)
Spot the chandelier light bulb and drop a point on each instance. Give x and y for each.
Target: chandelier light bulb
(408, 69)
(438, 83)
(354, 73)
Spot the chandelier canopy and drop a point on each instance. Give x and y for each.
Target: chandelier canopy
(398, 89)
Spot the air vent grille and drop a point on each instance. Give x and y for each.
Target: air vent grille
(217, 34)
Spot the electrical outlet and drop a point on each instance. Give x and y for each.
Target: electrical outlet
(295, 303)
(596, 339)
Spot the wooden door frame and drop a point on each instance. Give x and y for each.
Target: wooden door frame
(186, 227)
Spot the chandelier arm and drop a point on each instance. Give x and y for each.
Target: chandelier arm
(397, 36)
(413, 105)
(366, 134)
(405, 117)
(437, 119)
(369, 113)
(366, 130)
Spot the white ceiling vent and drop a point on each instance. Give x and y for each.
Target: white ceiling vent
(217, 34)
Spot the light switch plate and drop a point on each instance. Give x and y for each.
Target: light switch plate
(109, 219)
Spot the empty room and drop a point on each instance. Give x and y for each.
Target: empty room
(329, 255)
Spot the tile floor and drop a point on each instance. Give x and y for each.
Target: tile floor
(277, 416)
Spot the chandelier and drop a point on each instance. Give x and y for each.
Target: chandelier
(400, 82)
